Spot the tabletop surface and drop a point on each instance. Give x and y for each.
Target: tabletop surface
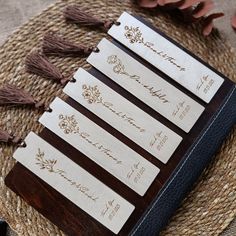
(14, 13)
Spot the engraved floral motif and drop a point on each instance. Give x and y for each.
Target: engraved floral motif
(113, 59)
(133, 34)
(91, 93)
(68, 124)
(44, 163)
(118, 68)
(49, 164)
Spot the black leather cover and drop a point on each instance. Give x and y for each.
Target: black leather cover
(189, 169)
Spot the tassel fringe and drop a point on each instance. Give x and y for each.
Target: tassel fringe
(12, 95)
(39, 65)
(56, 45)
(80, 16)
(5, 137)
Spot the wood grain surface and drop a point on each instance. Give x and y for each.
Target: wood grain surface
(13, 13)
(72, 219)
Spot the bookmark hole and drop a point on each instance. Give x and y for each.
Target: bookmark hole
(117, 23)
(73, 80)
(22, 144)
(48, 109)
(96, 49)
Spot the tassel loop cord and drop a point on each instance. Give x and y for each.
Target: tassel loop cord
(81, 16)
(22, 144)
(56, 45)
(9, 138)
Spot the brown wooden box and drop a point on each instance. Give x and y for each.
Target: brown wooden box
(71, 219)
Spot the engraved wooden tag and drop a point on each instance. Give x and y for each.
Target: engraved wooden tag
(150, 88)
(167, 57)
(76, 184)
(123, 115)
(100, 146)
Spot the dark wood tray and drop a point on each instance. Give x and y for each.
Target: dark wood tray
(67, 216)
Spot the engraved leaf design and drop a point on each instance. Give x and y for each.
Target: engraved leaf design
(47, 164)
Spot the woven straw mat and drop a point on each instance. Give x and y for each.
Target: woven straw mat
(211, 205)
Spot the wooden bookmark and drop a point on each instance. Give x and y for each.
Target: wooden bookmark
(123, 115)
(75, 183)
(166, 56)
(100, 146)
(149, 87)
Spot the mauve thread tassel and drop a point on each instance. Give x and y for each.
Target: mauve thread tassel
(12, 95)
(58, 46)
(5, 137)
(39, 65)
(78, 15)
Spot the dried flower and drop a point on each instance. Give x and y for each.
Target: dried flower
(192, 10)
(233, 22)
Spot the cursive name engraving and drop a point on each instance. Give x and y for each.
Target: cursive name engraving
(110, 210)
(93, 95)
(70, 125)
(181, 110)
(119, 68)
(49, 164)
(205, 84)
(134, 35)
(158, 141)
(136, 171)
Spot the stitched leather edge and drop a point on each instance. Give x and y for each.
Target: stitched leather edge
(137, 229)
